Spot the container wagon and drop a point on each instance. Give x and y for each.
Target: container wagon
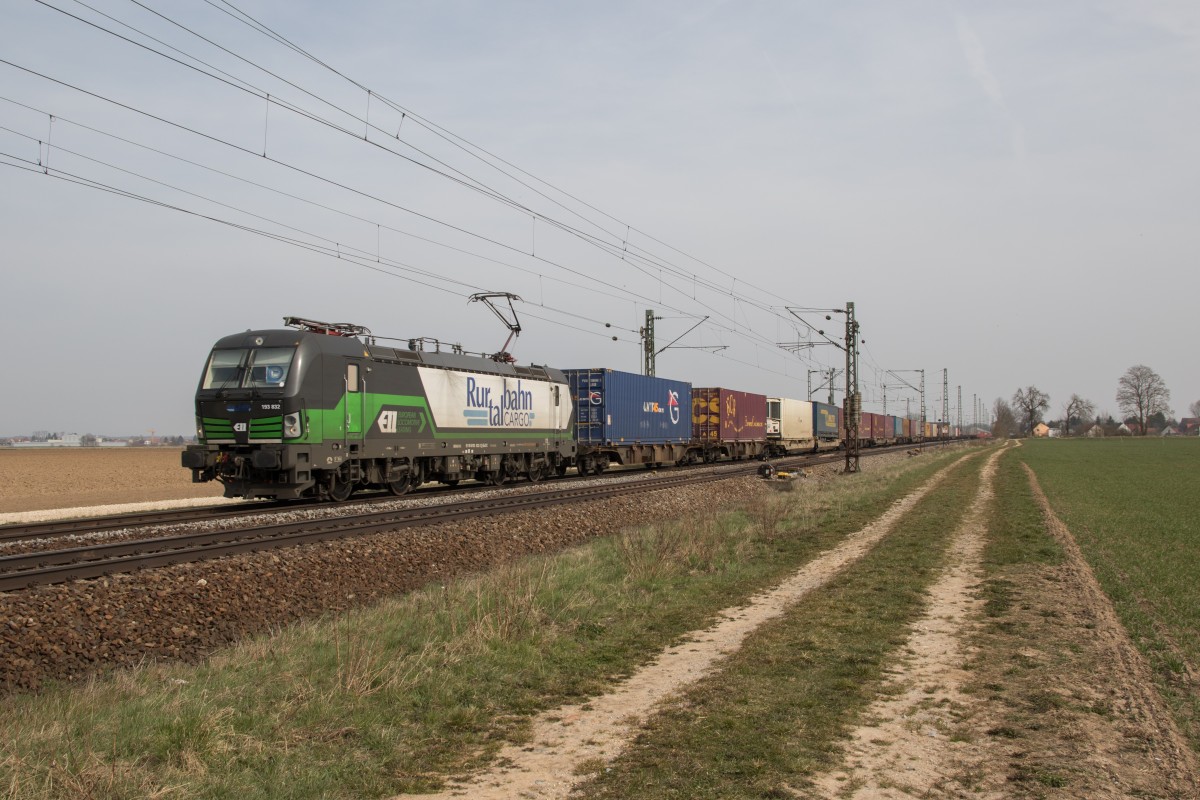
(625, 418)
(790, 426)
(729, 423)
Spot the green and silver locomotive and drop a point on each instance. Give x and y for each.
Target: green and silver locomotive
(321, 409)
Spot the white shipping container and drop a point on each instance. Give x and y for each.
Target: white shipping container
(795, 429)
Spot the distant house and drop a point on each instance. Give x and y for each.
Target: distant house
(1189, 426)
(1169, 431)
(1041, 430)
(1125, 429)
(1094, 432)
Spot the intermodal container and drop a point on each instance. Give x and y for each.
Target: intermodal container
(866, 425)
(795, 420)
(613, 407)
(725, 415)
(898, 427)
(827, 421)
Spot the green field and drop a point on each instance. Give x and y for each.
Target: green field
(1134, 507)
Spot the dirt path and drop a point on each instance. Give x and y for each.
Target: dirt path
(568, 737)
(908, 748)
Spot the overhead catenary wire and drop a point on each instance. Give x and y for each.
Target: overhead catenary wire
(621, 243)
(610, 246)
(468, 146)
(312, 175)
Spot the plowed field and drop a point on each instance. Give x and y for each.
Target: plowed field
(68, 477)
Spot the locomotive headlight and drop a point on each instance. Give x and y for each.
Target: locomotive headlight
(291, 426)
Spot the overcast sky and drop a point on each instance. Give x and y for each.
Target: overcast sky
(1009, 191)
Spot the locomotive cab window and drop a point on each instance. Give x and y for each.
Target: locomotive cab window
(263, 368)
(268, 368)
(224, 368)
(352, 377)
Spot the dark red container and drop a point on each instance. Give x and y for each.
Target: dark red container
(879, 427)
(725, 415)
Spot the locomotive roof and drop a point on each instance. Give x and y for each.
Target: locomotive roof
(353, 346)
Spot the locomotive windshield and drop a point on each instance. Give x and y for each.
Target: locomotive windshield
(260, 368)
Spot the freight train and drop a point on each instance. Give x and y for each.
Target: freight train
(319, 410)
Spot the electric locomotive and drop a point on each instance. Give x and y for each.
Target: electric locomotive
(321, 410)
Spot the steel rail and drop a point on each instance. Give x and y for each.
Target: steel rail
(57, 566)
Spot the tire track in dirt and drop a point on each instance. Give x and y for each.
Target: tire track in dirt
(1137, 704)
(565, 738)
(906, 750)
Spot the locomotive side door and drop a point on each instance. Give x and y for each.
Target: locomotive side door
(355, 400)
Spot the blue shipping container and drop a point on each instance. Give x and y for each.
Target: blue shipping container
(825, 420)
(614, 407)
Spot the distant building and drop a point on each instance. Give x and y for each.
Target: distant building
(1041, 430)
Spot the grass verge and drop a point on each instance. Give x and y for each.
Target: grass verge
(781, 706)
(394, 698)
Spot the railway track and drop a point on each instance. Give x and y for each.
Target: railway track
(80, 526)
(57, 566)
(48, 566)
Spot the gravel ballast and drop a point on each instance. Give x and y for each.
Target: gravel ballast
(185, 612)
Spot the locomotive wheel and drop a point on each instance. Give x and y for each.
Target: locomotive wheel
(536, 473)
(490, 477)
(412, 480)
(340, 487)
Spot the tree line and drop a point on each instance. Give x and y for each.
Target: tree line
(1142, 396)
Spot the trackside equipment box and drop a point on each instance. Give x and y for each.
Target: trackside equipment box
(614, 407)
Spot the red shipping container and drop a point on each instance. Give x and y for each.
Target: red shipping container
(725, 415)
(868, 425)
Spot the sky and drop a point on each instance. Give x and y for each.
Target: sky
(1005, 191)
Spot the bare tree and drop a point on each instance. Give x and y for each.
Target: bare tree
(1005, 421)
(1195, 408)
(1078, 409)
(1031, 402)
(1141, 393)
